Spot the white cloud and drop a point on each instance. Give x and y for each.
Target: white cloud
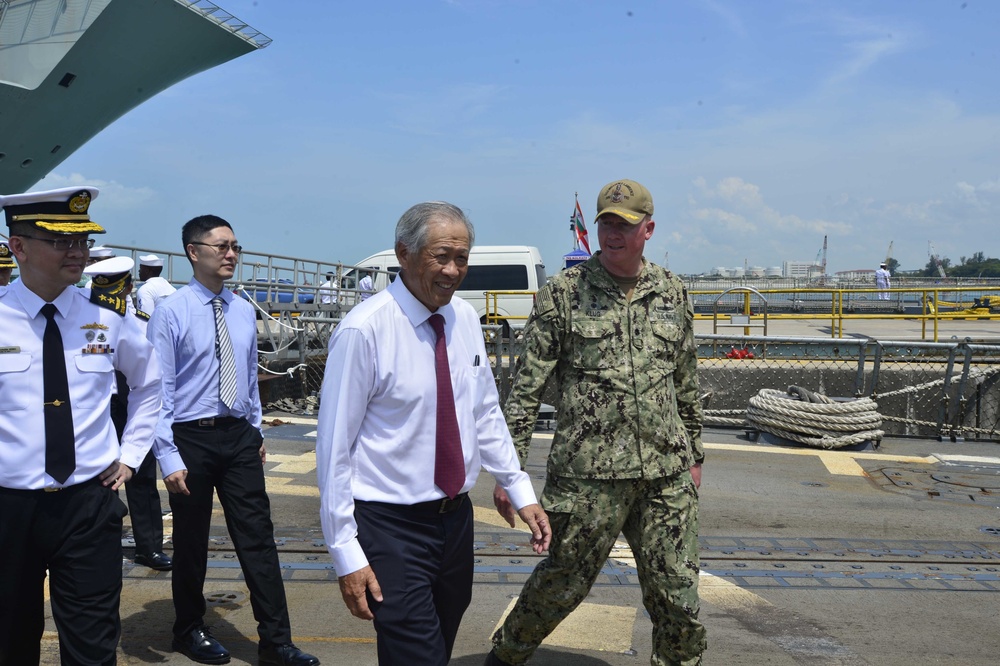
(728, 15)
(112, 195)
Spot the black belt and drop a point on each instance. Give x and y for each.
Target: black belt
(212, 422)
(443, 505)
(56, 489)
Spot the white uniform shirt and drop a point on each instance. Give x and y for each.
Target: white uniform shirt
(378, 414)
(328, 293)
(152, 292)
(367, 287)
(91, 381)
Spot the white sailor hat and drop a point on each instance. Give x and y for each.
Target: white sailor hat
(110, 276)
(6, 260)
(62, 211)
(101, 252)
(149, 260)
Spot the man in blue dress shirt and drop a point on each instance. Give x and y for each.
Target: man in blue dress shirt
(209, 439)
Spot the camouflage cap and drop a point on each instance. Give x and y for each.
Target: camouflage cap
(62, 211)
(625, 198)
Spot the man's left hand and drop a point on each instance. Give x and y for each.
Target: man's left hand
(538, 522)
(263, 454)
(696, 474)
(115, 475)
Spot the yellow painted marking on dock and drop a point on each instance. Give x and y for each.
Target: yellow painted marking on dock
(288, 464)
(595, 627)
(728, 595)
(282, 485)
(837, 462)
(840, 464)
(327, 639)
(489, 515)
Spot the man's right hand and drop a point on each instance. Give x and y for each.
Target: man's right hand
(175, 482)
(353, 587)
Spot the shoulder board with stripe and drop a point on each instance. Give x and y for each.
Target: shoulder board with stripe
(113, 303)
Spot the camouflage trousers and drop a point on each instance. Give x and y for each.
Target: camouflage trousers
(659, 519)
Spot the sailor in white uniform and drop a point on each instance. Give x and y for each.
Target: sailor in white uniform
(154, 288)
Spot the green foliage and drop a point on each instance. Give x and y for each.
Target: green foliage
(978, 265)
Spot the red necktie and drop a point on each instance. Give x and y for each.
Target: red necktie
(449, 463)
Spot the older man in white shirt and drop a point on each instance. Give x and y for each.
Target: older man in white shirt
(408, 415)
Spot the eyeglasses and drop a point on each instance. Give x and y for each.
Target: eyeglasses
(222, 248)
(64, 244)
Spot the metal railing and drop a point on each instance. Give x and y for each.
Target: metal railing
(212, 11)
(844, 305)
(494, 314)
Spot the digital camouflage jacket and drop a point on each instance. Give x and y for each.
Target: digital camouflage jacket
(624, 373)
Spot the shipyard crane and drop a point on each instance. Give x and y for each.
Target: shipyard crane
(820, 261)
(934, 258)
(888, 254)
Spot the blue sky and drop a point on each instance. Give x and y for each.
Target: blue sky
(759, 128)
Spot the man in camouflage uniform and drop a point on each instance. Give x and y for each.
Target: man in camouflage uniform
(615, 334)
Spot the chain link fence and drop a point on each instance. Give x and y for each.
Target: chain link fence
(922, 389)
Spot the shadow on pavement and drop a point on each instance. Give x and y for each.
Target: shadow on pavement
(147, 635)
(542, 657)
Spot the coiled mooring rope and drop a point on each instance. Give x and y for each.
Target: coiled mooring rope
(814, 419)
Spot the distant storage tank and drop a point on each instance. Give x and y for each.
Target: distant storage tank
(757, 271)
(737, 272)
(719, 270)
(773, 271)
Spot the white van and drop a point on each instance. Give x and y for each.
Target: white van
(491, 268)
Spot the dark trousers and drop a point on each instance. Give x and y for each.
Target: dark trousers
(76, 534)
(144, 508)
(423, 562)
(226, 459)
(143, 496)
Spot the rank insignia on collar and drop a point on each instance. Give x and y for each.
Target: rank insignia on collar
(96, 324)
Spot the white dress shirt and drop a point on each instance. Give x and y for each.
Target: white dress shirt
(152, 292)
(378, 414)
(328, 293)
(121, 344)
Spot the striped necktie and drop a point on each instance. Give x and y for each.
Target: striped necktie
(224, 352)
(60, 444)
(449, 463)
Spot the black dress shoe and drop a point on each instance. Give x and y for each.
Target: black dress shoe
(285, 655)
(158, 561)
(198, 645)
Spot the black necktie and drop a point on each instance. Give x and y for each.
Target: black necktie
(60, 448)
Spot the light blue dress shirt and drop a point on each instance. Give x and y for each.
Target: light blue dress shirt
(182, 331)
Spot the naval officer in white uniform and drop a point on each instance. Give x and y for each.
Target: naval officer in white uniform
(60, 461)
